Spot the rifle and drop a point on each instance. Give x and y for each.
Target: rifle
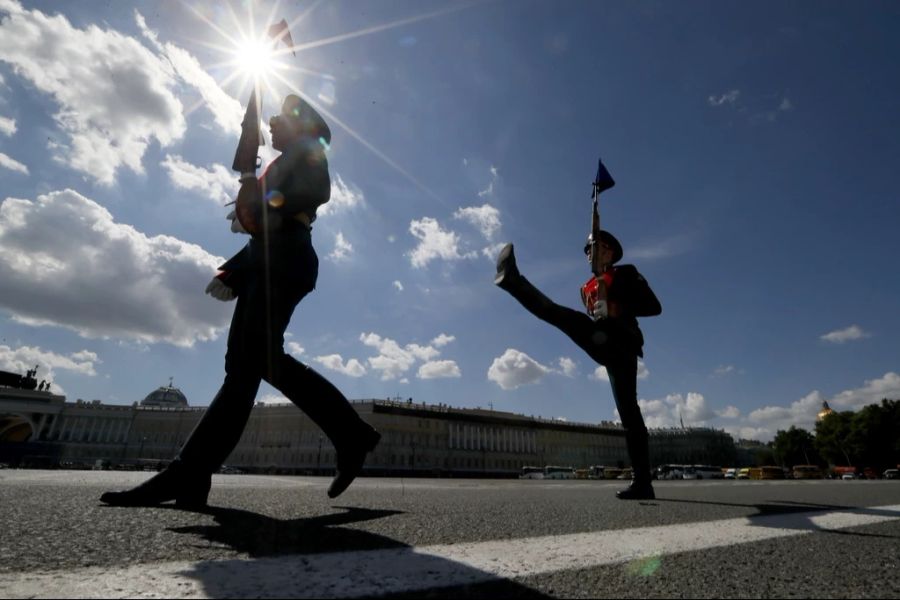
(603, 181)
(593, 293)
(247, 207)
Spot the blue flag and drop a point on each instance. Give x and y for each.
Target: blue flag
(603, 180)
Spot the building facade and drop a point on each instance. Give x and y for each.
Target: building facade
(40, 429)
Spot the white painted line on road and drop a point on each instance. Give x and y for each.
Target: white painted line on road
(373, 572)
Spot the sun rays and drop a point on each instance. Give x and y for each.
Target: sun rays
(250, 57)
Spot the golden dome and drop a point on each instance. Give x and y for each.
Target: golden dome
(826, 410)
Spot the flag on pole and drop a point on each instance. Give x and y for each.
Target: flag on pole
(279, 31)
(603, 180)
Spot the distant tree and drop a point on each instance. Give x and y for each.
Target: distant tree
(764, 456)
(875, 431)
(795, 446)
(833, 440)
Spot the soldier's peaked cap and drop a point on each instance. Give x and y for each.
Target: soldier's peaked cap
(608, 239)
(295, 107)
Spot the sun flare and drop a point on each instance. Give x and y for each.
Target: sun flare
(256, 58)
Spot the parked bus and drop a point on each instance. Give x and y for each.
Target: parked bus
(708, 472)
(554, 472)
(807, 472)
(768, 472)
(532, 473)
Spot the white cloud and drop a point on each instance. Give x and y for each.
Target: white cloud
(114, 95)
(226, 111)
(514, 369)
(485, 217)
(442, 340)
(567, 366)
(873, 391)
(724, 370)
(600, 373)
(343, 198)
(729, 412)
(729, 97)
(671, 411)
(7, 126)
(12, 164)
(439, 369)
(764, 422)
(216, 183)
(434, 243)
(273, 399)
(393, 360)
(295, 348)
(342, 248)
(854, 332)
(335, 362)
(785, 105)
(398, 285)
(21, 360)
(103, 278)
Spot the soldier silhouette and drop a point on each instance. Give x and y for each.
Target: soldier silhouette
(269, 277)
(610, 336)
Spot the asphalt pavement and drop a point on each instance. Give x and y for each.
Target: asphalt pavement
(279, 536)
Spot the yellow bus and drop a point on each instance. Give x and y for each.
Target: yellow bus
(767, 472)
(807, 472)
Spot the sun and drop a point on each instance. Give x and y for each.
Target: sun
(256, 58)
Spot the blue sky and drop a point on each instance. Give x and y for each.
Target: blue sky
(754, 146)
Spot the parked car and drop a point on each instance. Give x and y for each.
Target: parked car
(849, 476)
(743, 473)
(730, 473)
(891, 474)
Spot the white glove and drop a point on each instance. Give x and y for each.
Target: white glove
(236, 226)
(219, 290)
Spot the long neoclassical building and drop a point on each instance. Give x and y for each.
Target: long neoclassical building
(40, 429)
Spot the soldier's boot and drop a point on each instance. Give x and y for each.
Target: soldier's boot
(188, 489)
(508, 278)
(641, 487)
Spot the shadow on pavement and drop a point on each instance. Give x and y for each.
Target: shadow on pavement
(768, 514)
(317, 557)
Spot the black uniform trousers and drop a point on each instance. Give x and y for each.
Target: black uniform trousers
(270, 277)
(612, 343)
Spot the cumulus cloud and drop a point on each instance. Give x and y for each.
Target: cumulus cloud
(114, 95)
(226, 111)
(600, 373)
(12, 164)
(848, 334)
(334, 362)
(343, 197)
(342, 248)
(763, 423)
(690, 409)
(20, 360)
(7, 126)
(514, 369)
(216, 183)
(398, 286)
(567, 366)
(434, 243)
(438, 369)
(393, 361)
(485, 217)
(295, 348)
(67, 263)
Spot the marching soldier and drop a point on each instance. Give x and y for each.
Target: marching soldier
(614, 297)
(268, 277)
